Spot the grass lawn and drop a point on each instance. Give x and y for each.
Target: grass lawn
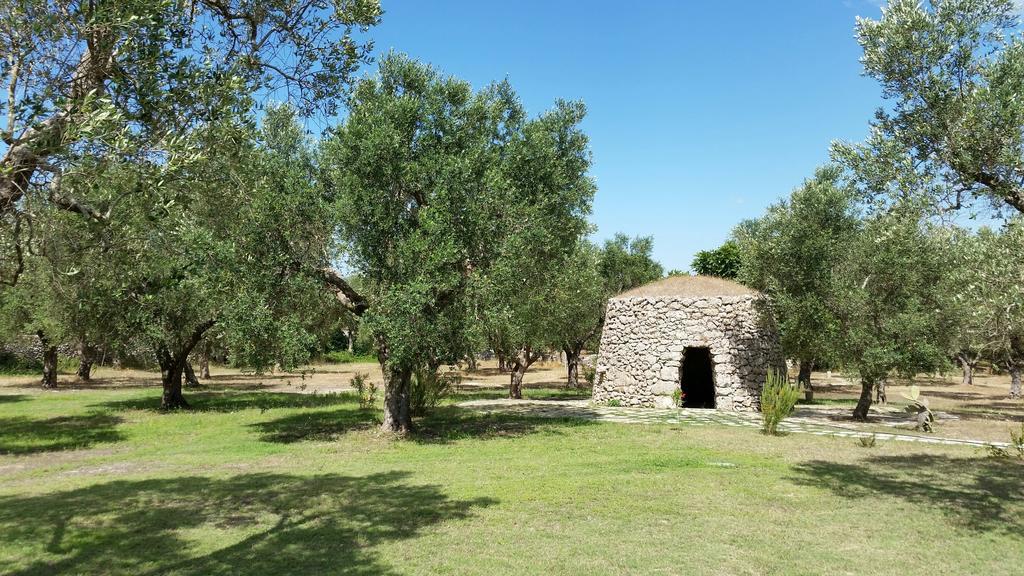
(96, 482)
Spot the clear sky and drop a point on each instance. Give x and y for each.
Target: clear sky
(700, 113)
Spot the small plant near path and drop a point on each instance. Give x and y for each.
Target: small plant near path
(777, 401)
(366, 389)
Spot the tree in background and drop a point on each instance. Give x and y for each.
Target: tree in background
(436, 183)
(723, 262)
(580, 297)
(627, 263)
(888, 306)
(967, 299)
(233, 239)
(987, 299)
(582, 289)
(953, 71)
(793, 254)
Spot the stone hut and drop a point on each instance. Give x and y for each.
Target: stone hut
(710, 338)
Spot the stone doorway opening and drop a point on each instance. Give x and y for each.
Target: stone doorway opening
(697, 377)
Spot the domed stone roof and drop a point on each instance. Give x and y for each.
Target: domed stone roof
(688, 287)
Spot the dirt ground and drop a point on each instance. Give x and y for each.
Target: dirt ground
(982, 411)
(320, 378)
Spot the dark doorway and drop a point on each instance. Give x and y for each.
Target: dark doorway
(697, 378)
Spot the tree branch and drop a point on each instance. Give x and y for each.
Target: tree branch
(347, 295)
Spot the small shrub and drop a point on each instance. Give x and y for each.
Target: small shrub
(868, 441)
(589, 375)
(677, 397)
(427, 389)
(777, 401)
(366, 390)
(1016, 445)
(614, 403)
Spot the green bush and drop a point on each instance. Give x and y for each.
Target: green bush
(777, 401)
(14, 365)
(677, 398)
(427, 389)
(1016, 445)
(589, 375)
(366, 390)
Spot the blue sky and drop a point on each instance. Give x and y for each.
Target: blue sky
(700, 113)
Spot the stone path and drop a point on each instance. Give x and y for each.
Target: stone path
(803, 424)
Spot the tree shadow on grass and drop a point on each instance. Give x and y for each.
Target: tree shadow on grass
(231, 401)
(983, 495)
(21, 435)
(447, 424)
(11, 398)
(316, 426)
(442, 425)
(248, 524)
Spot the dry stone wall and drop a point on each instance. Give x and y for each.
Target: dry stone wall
(644, 338)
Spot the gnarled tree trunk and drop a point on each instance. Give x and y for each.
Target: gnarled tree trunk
(572, 364)
(968, 364)
(867, 386)
(804, 378)
(86, 358)
(49, 363)
(190, 376)
(520, 364)
(397, 411)
(172, 367)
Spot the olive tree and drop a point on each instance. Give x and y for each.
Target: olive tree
(434, 184)
(723, 262)
(952, 71)
(793, 255)
(234, 240)
(988, 296)
(888, 308)
(127, 79)
(968, 299)
(583, 286)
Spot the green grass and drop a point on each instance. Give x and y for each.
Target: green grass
(97, 482)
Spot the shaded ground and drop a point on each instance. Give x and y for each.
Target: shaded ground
(982, 411)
